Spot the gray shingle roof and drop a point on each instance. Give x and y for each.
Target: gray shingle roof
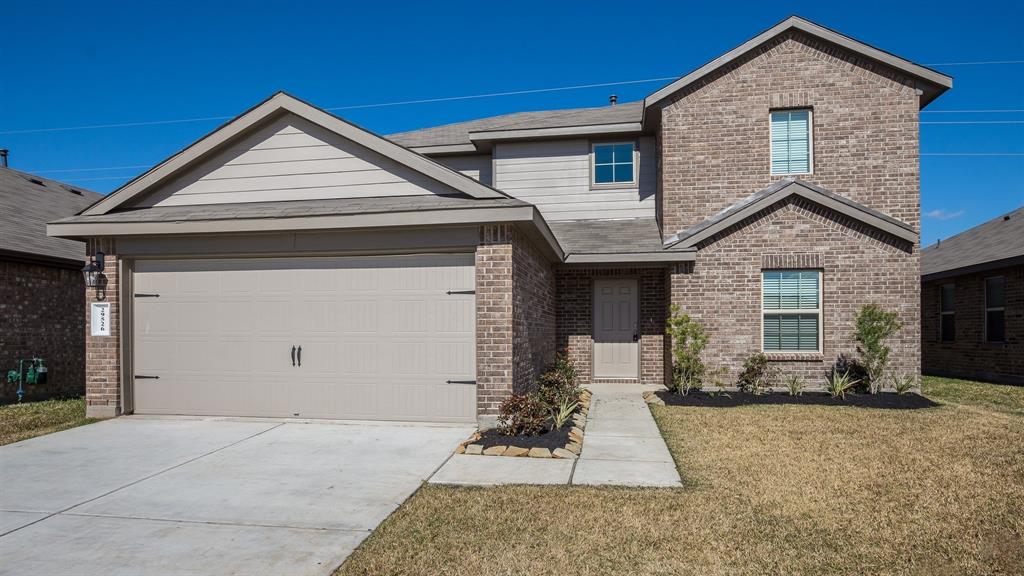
(458, 133)
(296, 209)
(998, 239)
(26, 207)
(729, 214)
(608, 236)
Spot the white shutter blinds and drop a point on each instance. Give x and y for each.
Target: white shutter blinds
(791, 141)
(791, 301)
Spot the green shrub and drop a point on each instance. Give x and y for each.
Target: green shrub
(522, 415)
(758, 375)
(557, 386)
(846, 364)
(903, 383)
(839, 383)
(689, 338)
(795, 384)
(564, 413)
(874, 326)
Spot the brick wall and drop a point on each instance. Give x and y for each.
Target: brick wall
(859, 265)
(41, 315)
(103, 353)
(575, 292)
(970, 356)
(515, 315)
(715, 135)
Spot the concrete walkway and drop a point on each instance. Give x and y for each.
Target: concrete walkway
(621, 447)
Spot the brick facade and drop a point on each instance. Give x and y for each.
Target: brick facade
(575, 305)
(41, 314)
(969, 355)
(859, 266)
(103, 353)
(715, 151)
(515, 315)
(714, 140)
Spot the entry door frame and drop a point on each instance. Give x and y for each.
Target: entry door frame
(593, 327)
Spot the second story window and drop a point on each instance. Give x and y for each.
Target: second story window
(613, 163)
(791, 142)
(995, 309)
(947, 313)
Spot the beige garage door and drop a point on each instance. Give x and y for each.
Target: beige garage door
(384, 338)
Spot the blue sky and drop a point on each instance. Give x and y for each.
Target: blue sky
(87, 63)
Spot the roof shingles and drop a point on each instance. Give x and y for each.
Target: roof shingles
(998, 239)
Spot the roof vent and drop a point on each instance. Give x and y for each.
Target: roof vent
(36, 181)
(3, 156)
(613, 99)
(1005, 218)
(70, 189)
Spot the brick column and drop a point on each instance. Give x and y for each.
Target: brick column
(493, 320)
(103, 353)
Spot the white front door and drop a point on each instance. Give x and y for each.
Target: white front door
(616, 329)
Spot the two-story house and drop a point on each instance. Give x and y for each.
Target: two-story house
(293, 264)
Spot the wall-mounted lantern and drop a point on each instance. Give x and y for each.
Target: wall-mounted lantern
(94, 277)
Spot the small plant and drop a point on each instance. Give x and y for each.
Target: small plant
(564, 413)
(839, 383)
(522, 415)
(557, 386)
(795, 384)
(689, 338)
(758, 375)
(720, 385)
(874, 326)
(846, 364)
(903, 383)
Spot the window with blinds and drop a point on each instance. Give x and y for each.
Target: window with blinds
(791, 142)
(791, 309)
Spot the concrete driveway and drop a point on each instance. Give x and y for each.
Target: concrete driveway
(141, 495)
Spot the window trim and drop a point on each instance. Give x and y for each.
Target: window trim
(951, 312)
(988, 309)
(820, 311)
(810, 141)
(635, 182)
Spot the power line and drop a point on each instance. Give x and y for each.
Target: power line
(974, 122)
(982, 63)
(418, 101)
(978, 111)
(972, 154)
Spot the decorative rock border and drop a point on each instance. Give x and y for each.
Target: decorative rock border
(568, 452)
(652, 398)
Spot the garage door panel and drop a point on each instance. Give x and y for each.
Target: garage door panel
(380, 337)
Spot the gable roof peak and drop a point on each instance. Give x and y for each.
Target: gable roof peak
(931, 82)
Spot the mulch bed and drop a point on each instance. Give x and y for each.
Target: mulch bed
(550, 440)
(884, 400)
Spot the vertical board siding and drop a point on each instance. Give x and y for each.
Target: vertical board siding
(292, 159)
(555, 176)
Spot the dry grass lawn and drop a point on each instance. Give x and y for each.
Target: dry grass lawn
(769, 490)
(30, 419)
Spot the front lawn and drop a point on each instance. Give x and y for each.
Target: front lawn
(769, 489)
(30, 419)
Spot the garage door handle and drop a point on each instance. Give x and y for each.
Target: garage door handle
(293, 355)
(300, 355)
(450, 292)
(460, 381)
(143, 377)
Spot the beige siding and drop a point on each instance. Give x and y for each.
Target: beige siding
(292, 159)
(476, 166)
(555, 176)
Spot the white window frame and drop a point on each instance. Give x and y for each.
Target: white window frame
(988, 309)
(790, 312)
(593, 166)
(810, 141)
(942, 313)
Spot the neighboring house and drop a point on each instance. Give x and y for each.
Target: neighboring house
(972, 303)
(42, 298)
(291, 263)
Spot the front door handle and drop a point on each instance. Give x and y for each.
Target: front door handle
(300, 355)
(293, 355)
(636, 337)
